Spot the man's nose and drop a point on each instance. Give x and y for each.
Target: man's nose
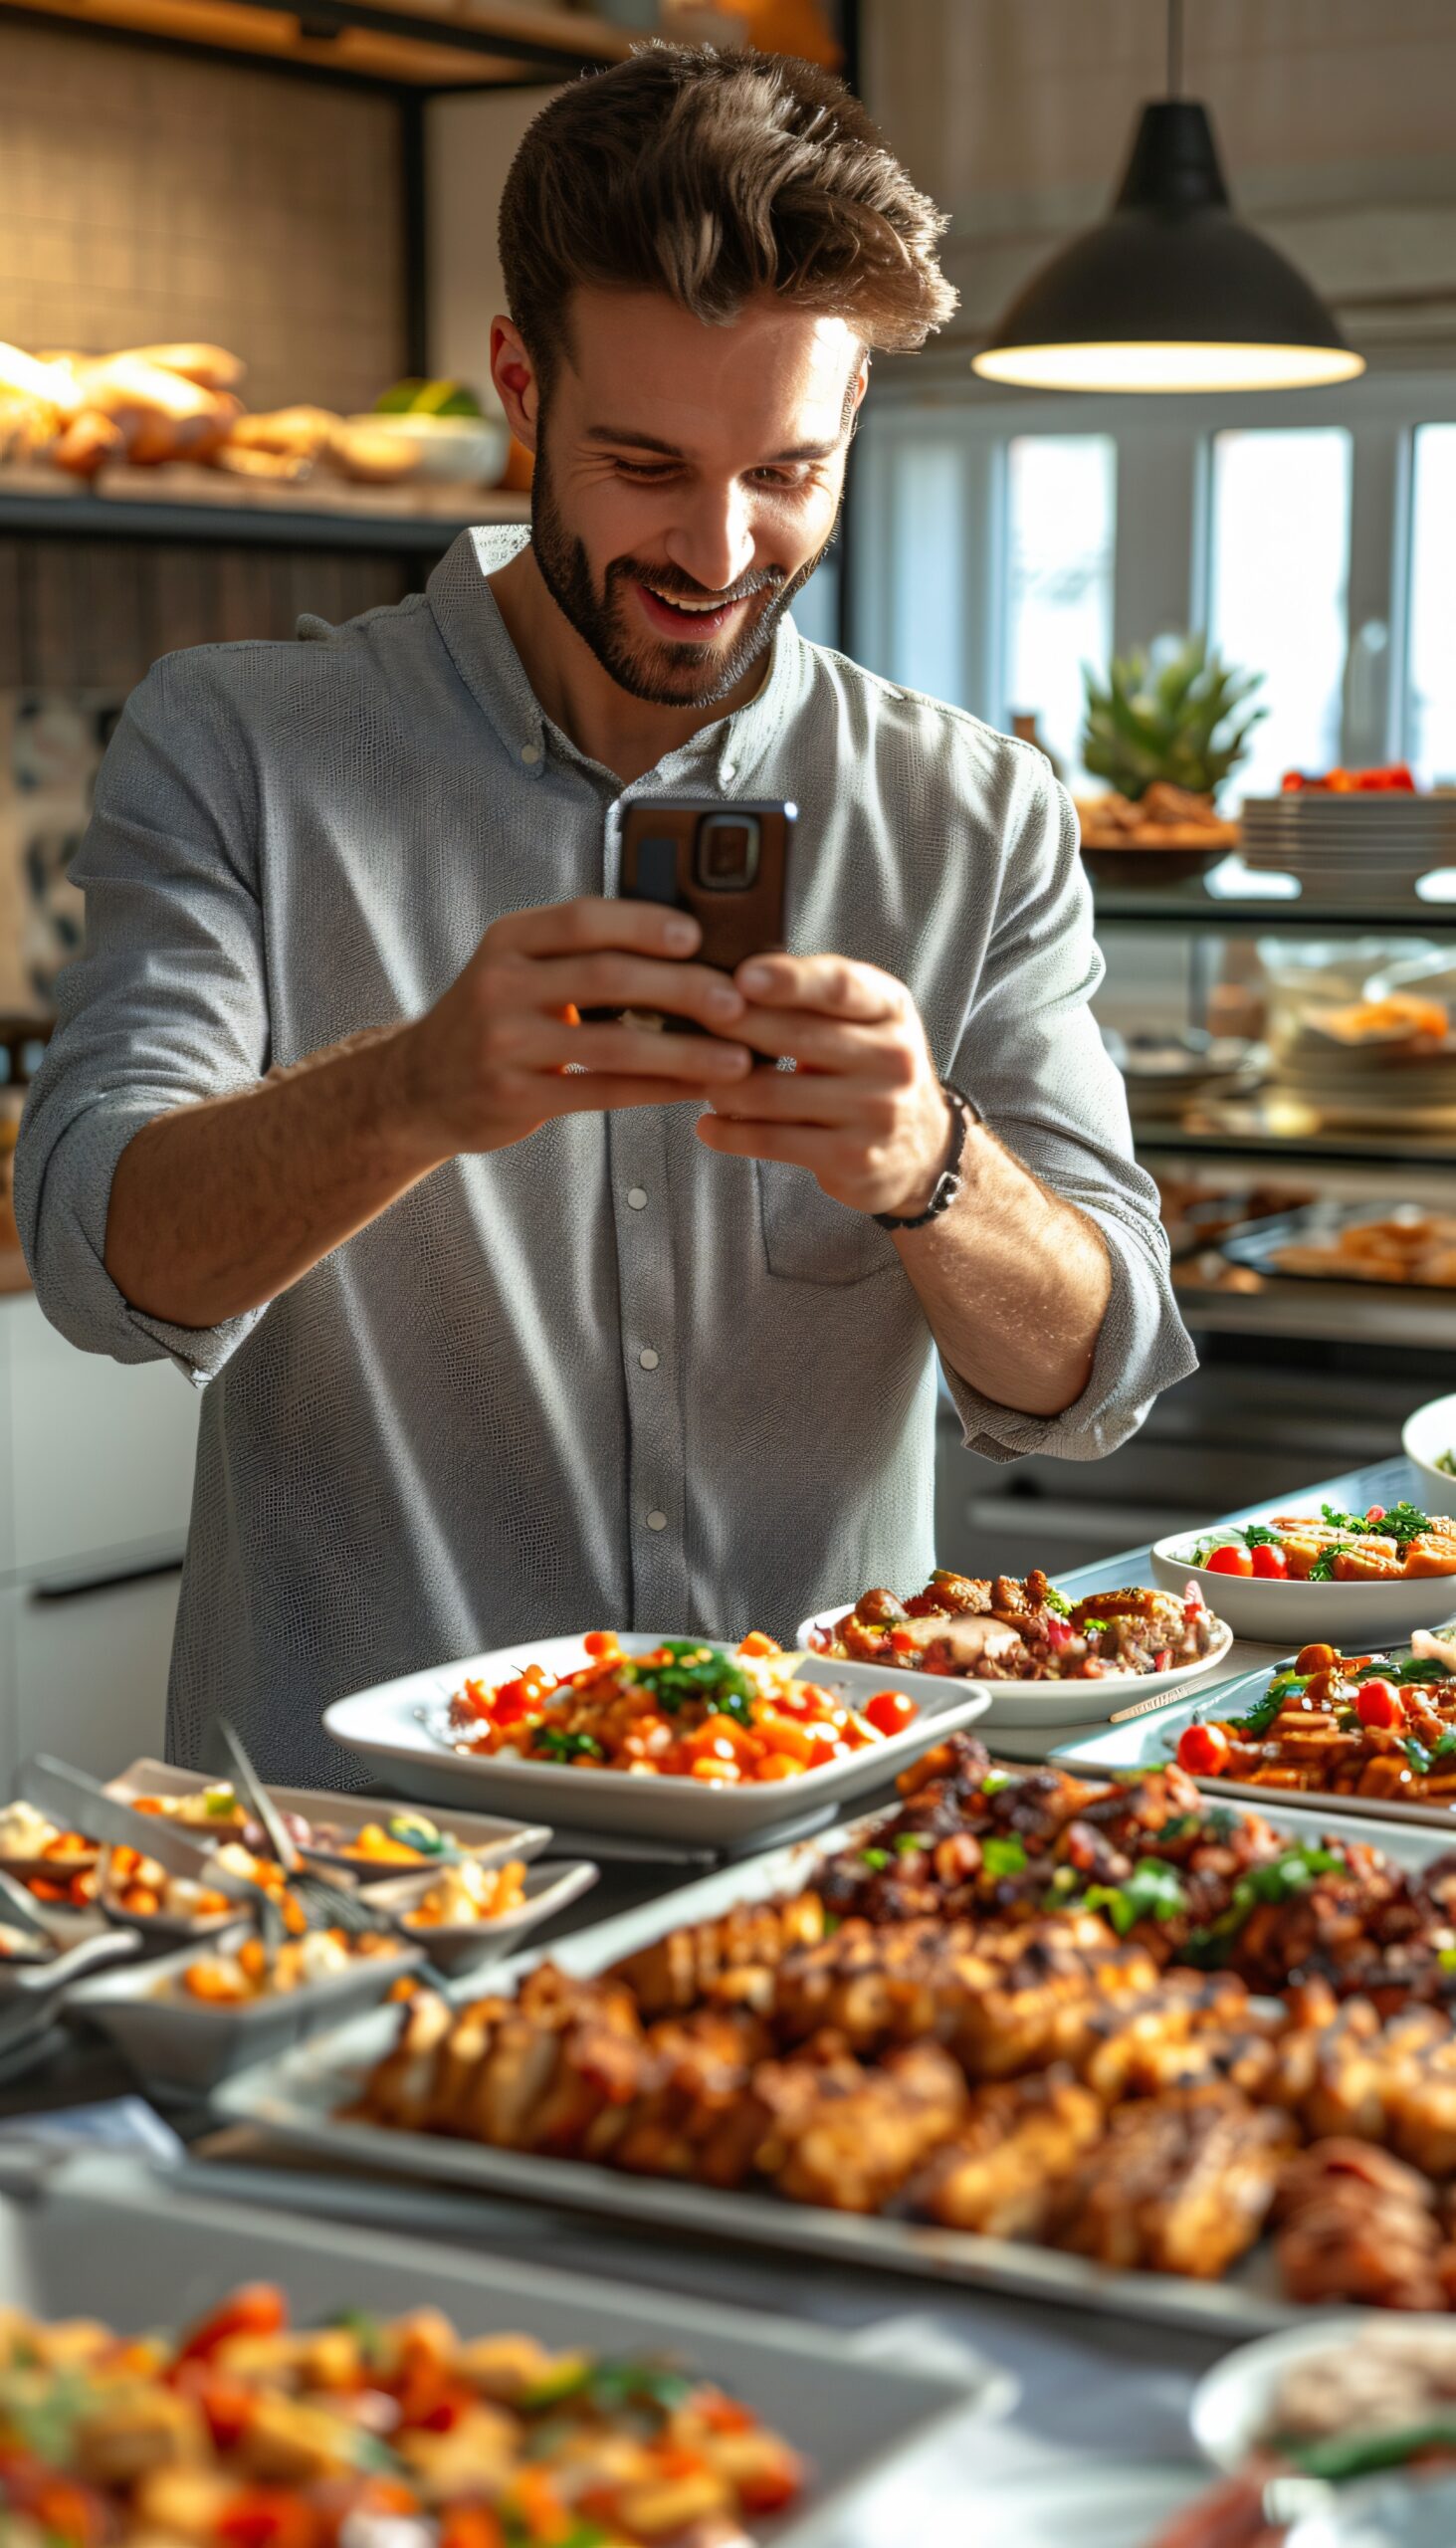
(714, 541)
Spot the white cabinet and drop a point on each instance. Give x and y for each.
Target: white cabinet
(96, 1486)
(101, 1453)
(88, 1671)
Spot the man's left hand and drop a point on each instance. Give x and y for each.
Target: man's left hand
(862, 1110)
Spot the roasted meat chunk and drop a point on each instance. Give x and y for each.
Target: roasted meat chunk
(1181, 2184)
(847, 2137)
(1003, 2173)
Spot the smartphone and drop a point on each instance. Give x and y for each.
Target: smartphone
(725, 862)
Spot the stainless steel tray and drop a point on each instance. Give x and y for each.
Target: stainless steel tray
(297, 2100)
(110, 2239)
(1150, 1743)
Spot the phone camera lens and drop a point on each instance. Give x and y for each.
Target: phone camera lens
(727, 852)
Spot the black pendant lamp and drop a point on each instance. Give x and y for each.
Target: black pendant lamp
(1171, 292)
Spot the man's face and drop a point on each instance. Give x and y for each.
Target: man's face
(688, 481)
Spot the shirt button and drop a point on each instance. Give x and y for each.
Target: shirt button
(531, 754)
(647, 1358)
(657, 1521)
(637, 1197)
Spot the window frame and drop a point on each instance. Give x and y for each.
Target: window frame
(1161, 554)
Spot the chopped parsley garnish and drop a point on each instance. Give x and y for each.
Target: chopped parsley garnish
(1423, 1758)
(1154, 1891)
(696, 1671)
(1259, 1718)
(1003, 1856)
(1275, 1882)
(552, 1742)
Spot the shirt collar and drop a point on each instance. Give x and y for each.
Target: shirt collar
(719, 757)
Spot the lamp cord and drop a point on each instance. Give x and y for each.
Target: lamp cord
(1174, 48)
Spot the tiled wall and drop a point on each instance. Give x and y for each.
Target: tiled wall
(149, 196)
(80, 622)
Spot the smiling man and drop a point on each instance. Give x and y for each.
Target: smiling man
(511, 1324)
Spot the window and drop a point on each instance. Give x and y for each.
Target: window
(1279, 564)
(1432, 675)
(1061, 517)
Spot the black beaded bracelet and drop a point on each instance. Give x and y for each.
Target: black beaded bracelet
(947, 1184)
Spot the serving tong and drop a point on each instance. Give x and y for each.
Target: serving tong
(325, 1904)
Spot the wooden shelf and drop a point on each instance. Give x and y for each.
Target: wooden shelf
(212, 507)
(424, 44)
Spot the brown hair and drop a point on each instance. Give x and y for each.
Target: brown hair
(712, 176)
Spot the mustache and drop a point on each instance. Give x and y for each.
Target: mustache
(679, 587)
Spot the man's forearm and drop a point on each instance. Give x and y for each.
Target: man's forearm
(1014, 1282)
(218, 1206)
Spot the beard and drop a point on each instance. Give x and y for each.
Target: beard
(666, 673)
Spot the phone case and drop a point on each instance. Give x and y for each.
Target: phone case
(663, 862)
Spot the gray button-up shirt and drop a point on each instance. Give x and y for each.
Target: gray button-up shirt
(602, 1377)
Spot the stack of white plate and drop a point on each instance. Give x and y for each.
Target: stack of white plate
(1350, 848)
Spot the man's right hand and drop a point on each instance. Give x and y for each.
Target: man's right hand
(497, 1055)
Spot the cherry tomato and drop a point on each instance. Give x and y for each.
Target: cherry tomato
(1271, 1562)
(1203, 1750)
(889, 1712)
(1379, 1703)
(1375, 1513)
(1233, 1558)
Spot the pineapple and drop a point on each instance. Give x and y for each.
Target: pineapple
(1159, 713)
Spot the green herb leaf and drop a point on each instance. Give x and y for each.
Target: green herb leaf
(552, 1742)
(994, 1780)
(1057, 1603)
(876, 1858)
(1154, 1891)
(1260, 1717)
(907, 1843)
(695, 1671)
(1003, 1856)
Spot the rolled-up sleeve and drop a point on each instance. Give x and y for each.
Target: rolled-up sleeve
(1035, 1064)
(166, 1003)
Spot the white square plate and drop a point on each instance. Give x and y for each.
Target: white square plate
(393, 1723)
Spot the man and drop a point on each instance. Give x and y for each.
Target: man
(495, 1346)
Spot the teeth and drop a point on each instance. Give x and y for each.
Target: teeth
(700, 608)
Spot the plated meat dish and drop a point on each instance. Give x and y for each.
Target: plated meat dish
(1008, 1629)
(1400, 1544)
(1018, 2005)
(1332, 1724)
(248, 2432)
(684, 1710)
(1409, 1245)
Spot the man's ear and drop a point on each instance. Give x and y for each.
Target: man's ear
(516, 386)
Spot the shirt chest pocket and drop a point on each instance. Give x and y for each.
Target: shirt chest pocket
(809, 1238)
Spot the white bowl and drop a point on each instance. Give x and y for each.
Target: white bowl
(1425, 1435)
(1289, 1615)
(466, 1946)
(1234, 2401)
(400, 1722)
(1058, 1707)
(462, 451)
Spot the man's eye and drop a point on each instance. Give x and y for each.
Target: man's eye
(789, 482)
(646, 473)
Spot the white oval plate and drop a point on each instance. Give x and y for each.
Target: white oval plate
(1057, 1706)
(1426, 1434)
(1093, 2503)
(1233, 2403)
(393, 1722)
(1289, 1615)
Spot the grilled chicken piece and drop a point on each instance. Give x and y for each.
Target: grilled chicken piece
(1000, 2175)
(1181, 2184)
(695, 2117)
(1178, 2032)
(397, 2090)
(839, 2135)
(1046, 1996)
(682, 1967)
(1358, 2227)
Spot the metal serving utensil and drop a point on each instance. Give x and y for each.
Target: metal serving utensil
(84, 1805)
(325, 1904)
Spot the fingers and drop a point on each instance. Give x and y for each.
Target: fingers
(632, 1052)
(776, 1098)
(591, 921)
(604, 1093)
(614, 980)
(831, 985)
(821, 1044)
(806, 1147)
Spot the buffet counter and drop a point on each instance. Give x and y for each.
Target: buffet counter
(1092, 2382)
